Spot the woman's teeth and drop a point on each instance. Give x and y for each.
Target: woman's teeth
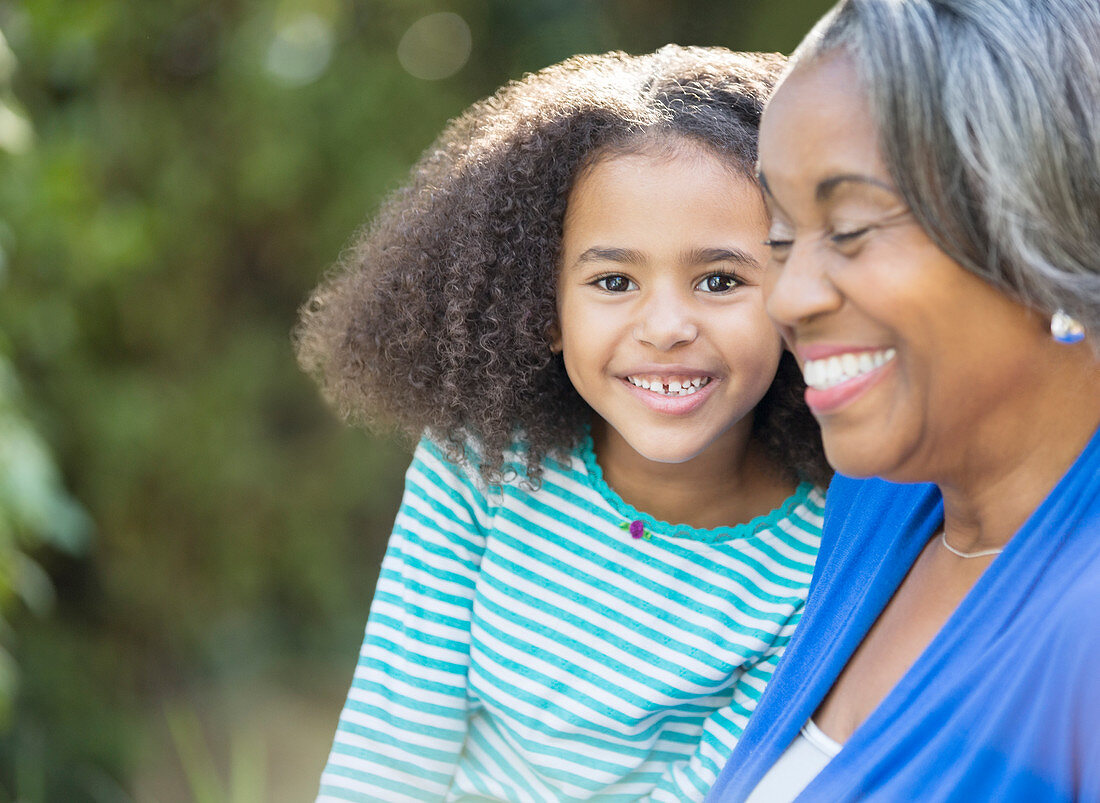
(684, 386)
(822, 374)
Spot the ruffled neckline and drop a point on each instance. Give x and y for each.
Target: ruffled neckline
(656, 527)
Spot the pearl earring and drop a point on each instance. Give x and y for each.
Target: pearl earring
(1066, 329)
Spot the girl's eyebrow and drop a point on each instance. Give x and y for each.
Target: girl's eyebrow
(704, 256)
(697, 256)
(626, 256)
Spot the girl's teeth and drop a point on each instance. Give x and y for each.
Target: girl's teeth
(822, 374)
(674, 387)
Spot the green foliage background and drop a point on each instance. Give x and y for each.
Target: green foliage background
(188, 540)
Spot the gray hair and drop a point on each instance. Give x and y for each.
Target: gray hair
(988, 114)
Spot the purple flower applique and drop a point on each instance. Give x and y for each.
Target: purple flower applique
(636, 529)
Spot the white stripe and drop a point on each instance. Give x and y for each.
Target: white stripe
(681, 599)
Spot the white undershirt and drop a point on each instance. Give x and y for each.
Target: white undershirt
(800, 763)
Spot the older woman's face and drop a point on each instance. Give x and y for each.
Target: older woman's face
(906, 355)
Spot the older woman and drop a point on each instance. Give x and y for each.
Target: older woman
(933, 171)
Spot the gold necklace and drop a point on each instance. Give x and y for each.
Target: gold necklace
(981, 553)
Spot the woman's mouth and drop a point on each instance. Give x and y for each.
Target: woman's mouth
(839, 368)
(833, 382)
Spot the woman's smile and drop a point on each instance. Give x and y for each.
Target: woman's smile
(838, 375)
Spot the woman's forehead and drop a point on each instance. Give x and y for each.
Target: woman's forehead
(818, 128)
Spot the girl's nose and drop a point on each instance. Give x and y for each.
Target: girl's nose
(665, 323)
(799, 288)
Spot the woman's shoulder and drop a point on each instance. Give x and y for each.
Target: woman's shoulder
(872, 519)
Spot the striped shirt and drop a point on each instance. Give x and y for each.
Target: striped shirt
(523, 646)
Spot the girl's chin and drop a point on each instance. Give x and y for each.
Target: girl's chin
(667, 454)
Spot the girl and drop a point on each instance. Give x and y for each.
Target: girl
(610, 523)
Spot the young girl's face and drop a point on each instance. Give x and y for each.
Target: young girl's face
(661, 319)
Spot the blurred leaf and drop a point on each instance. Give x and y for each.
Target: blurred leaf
(194, 167)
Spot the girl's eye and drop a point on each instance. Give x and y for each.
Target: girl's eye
(717, 283)
(615, 283)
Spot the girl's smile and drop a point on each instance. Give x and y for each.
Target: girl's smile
(673, 391)
(661, 317)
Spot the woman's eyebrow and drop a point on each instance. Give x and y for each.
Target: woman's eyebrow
(769, 198)
(826, 187)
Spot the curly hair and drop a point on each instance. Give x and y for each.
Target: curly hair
(439, 317)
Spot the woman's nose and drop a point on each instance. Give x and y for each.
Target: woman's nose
(799, 288)
(666, 322)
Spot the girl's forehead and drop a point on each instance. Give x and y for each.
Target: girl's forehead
(669, 160)
(662, 211)
(664, 145)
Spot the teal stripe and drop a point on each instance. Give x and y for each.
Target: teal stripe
(457, 735)
(413, 525)
(507, 763)
(615, 738)
(380, 782)
(633, 552)
(422, 753)
(707, 615)
(456, 713)
(684, 712)
(664, 637)
(552, 769)
(474, 497)
(415, 607)
(593, 650)
(770, 547)
(428, 570)
(387, 647)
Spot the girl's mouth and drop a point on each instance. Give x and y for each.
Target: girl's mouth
(674, 395)
(669, 385)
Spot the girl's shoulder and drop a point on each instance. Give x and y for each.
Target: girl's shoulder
(464, 456)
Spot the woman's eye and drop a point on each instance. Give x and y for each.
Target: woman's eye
(614, 283)
(717, 283)
(779, 248)
(843, 237)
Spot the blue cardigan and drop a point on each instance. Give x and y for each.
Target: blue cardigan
(1003, 705)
